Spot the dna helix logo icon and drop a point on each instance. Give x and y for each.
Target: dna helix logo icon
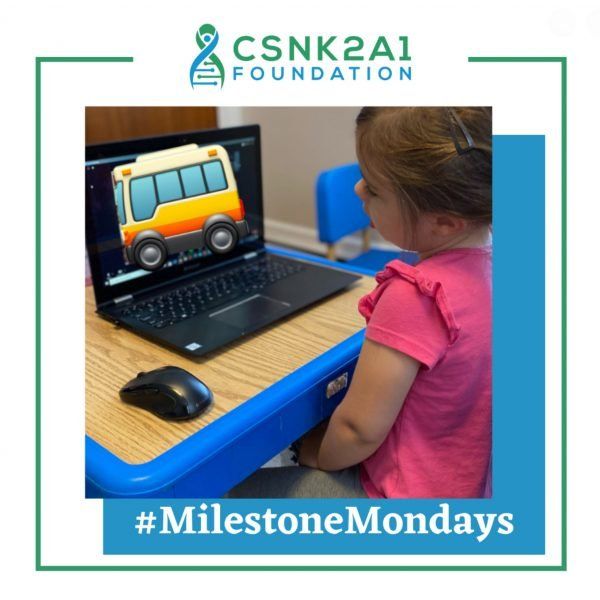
(207, 69)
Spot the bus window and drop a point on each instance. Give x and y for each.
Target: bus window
(143, 198)
(193, 183)
(168, 186)
(119, 202)
(215, 177)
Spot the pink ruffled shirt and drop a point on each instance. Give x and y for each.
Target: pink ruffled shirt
(439, 313)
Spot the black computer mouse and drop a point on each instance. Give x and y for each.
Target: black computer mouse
(169, 392)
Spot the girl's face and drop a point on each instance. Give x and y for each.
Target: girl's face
(383, 207)
(429, 234)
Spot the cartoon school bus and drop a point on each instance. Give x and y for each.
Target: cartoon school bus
(175, 200)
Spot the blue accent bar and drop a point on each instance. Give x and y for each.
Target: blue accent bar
(519, 329)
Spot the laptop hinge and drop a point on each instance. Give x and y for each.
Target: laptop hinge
(250, 255)
(121, 299)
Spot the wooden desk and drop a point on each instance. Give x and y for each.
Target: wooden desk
(235, 374)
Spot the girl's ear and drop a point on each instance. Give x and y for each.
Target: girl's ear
(445, 225)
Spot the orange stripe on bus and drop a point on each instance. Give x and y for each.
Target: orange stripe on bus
(180, 227)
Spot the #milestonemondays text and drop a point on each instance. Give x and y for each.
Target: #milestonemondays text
(209, 520)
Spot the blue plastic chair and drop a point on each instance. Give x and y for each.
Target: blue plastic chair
(340, 213)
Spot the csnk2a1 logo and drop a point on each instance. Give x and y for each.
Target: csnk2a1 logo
(307, 58)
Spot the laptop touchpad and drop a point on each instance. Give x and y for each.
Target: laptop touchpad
(250, 311)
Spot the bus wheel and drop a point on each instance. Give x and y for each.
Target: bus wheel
(150, 254)
(221, 238)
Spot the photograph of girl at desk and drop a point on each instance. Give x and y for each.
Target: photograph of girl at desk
(416, 420)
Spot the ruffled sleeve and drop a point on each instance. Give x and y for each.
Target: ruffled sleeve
(410, 313)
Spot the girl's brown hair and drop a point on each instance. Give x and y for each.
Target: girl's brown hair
(438, 160)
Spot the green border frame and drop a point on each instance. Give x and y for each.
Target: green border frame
(38, 497)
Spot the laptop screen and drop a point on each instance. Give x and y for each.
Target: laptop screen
(165, 189)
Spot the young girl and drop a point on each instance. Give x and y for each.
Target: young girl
(416, 421)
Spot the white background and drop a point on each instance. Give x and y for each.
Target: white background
(525, 99)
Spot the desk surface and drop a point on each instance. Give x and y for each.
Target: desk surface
(236, 373)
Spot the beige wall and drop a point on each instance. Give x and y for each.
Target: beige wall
(297, 143)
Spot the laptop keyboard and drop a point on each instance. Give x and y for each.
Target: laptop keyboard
(188, 301)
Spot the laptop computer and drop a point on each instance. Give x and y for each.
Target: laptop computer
(219, 285)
